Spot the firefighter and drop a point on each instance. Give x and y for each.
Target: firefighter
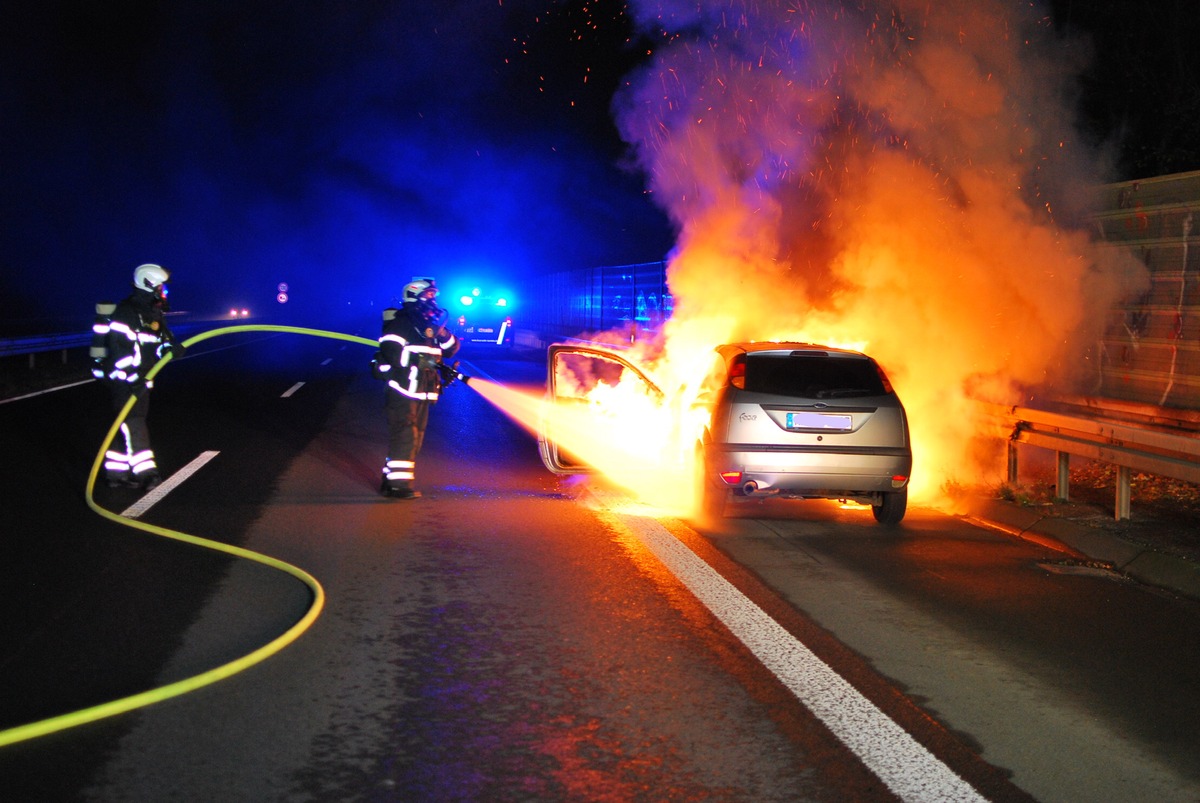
(135, 336)
(412, 347)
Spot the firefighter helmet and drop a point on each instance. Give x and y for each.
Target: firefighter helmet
(419, 296)
(419, 289)
(150, 277)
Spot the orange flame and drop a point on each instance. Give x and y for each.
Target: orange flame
(634, 438)
(878, 180)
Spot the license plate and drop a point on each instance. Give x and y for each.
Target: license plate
(818, 421)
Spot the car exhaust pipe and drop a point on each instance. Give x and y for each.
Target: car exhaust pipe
(750, 488)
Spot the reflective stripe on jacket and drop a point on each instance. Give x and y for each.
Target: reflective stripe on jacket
(410, 363)
(137, 338)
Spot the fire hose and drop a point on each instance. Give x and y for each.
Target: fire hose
(142, 699)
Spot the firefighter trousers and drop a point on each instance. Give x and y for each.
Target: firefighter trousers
(129, 457)
(407, 419)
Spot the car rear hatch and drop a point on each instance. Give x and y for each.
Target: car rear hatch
(817, 399)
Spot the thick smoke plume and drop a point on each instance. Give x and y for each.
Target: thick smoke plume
(900, 177)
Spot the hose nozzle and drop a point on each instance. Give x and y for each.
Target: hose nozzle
(450, 373)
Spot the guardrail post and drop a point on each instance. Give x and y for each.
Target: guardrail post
(1062, 482)
(1012, 462)
(1123, 473)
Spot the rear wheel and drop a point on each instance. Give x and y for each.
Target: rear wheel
(893, 507)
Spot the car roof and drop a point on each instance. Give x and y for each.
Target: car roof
(758, 346)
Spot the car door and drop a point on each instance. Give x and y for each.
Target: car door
(574, 376)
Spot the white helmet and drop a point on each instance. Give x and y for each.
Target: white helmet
(419, 297)
(414, 289)
(150, 277)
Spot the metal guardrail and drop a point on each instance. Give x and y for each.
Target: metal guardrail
(1131, 441)
(37, 344)
(63, 341)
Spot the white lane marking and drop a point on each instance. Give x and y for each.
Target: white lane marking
(44, 392)
(899, 760)
(292, 390)
(327, 361)
(151, 499)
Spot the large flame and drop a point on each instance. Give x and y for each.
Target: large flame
(902, 178)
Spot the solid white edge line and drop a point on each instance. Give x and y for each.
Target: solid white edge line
(903, 764)
(44, 392)
(287, 393)
(149, 500)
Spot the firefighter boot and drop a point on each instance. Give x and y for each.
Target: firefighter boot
(149, 481)
(122, 479)
(398, 492)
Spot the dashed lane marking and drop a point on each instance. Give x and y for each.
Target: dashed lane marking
(174, 481)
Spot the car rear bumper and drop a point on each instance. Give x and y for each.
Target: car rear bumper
(806, 470)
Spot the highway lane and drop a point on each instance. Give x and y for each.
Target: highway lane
(508, 637)
(1081, 684)
(492, 641)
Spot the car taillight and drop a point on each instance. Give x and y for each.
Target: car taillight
(731, 477)
(887, 385)
(737, 373)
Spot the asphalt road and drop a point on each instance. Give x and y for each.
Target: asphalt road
(514, 636)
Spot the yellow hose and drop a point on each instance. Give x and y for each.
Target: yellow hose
(53, 724)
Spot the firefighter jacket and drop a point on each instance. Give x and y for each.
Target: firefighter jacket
(135, 336)
(410, 352)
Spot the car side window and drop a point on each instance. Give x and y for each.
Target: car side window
(577, 375)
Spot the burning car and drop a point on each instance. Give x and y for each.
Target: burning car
(794, 420)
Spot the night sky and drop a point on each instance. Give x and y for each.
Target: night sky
(1140, 87)
(339, 147)
(344, 147)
